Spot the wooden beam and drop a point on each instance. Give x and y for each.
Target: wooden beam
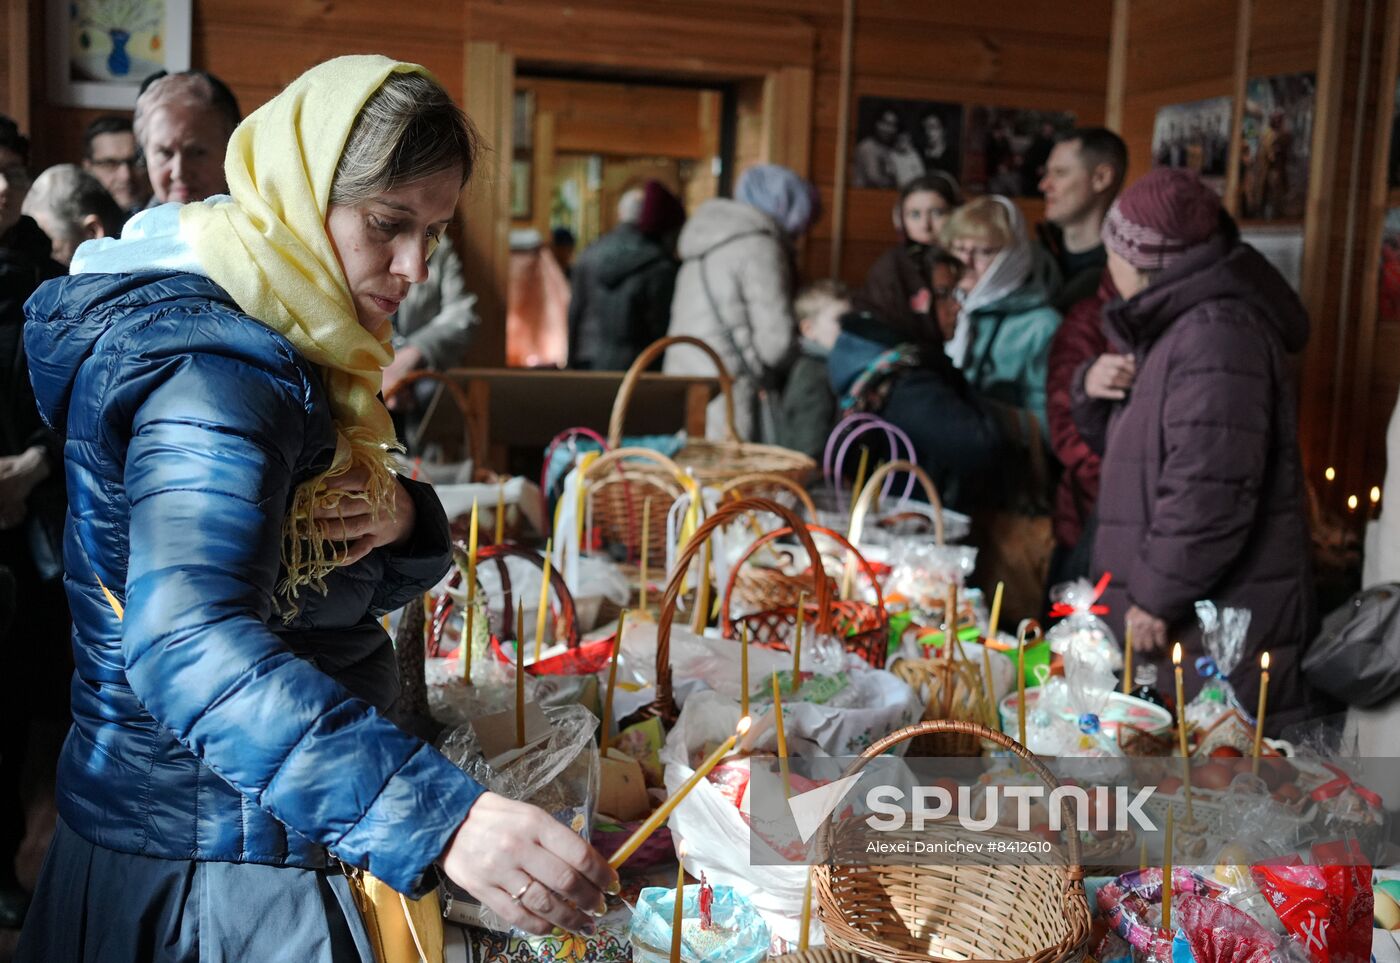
(1239, 89)
(1368, 316)
(1314, 437)
(843, 136)
(19, 38)
(542, 171)
(1117, 65)
(485, 216)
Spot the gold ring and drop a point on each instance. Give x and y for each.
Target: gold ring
(521, 892)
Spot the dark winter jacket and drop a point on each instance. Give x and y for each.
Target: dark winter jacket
(1202, 490)
(808, 406)
(1079, 339)
(24, 264)
(955, 438)
(622, 288)
(204, 727)
(1076, 276)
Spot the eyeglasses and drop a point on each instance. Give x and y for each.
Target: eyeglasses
(109, 164)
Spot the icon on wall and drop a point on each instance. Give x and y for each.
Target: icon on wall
(1006, 148)
(101, 50)
(1195, 136)
(899, 140)
(1276, 147)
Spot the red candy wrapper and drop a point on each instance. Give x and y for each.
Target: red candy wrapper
(1325, 907)
(1220, 933)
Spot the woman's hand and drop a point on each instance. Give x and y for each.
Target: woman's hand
(351, 521)
(1149, 633)
(527, 867)
(1110, 377)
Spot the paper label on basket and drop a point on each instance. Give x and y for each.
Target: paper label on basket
(817, 689)
(495, 733)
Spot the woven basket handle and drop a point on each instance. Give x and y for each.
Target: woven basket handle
(867, 497)
(934, 726)
(901, 447)
(727, 627)
(639, 367)
(612, 457)
(671, 597)
(499, 553)
(458, 394)
(734, 488)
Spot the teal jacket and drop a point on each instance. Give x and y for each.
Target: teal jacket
(1010, 350)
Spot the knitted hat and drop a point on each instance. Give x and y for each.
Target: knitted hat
(1160, 218)
(662, 211)
(781, 194)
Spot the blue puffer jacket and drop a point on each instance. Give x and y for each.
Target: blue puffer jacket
(204, 727)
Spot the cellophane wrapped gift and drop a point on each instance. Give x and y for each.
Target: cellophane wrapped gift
(1223, 633)
(1089, 683)
(920, 574)
(1080, 629)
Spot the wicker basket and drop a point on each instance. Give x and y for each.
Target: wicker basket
(711, 462)
(770, 586)
(664, 705)
(471, 446)
(863, 627)
(955, 692)
(617, 487)
(820, 955)
(915, 914)
(866, 499)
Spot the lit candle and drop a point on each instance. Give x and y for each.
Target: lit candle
(744, 671)
(1330, 474)
(1352, 503)
(782, 736)
(1128, 660)
(1263, 703)
(612, 684)
(469, 621)
(797, 640)
(806, 925)
(1181, 732)
(646, 549)
(658, 818)
(1375, 501)
(519, 675)
(1167, 874)
(678, 912)
(500, 510)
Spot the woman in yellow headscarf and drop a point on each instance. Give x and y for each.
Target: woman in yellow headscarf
(236, 531)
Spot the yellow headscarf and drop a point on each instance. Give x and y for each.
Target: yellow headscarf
(270, 251)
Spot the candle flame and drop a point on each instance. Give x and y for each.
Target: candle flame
(1352, 502)
(744, 724)
(1264, 662)
(1375, 494)
(680, 853)
(1330, 474)
(1176, 654)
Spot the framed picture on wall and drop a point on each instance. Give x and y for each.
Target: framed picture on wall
(899, 140)
(1277, 141)
(101, 50)
(1006, 149)
(1195, 136)
(520, 186)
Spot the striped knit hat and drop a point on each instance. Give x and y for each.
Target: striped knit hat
(1160, 218)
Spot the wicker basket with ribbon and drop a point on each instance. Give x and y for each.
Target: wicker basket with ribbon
(711, 462)
(976, 911)
(771, 585)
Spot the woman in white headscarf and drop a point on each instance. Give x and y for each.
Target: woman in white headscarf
(735, 287)
(1002, 339)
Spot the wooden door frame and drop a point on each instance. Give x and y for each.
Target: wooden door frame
(778, 51)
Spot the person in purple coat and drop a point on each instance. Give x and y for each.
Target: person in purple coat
(1202, 488)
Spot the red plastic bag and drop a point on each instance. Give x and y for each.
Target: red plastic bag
(1326, 907)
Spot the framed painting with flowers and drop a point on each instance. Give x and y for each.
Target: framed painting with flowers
(101, 50)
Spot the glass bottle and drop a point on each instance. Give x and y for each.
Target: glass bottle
(1145, 684)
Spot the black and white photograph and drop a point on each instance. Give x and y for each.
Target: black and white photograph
(1195, 136)
(1006, 149)
(899, 140)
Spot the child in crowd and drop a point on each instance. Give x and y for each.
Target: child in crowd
(901, 373)
(809, 407)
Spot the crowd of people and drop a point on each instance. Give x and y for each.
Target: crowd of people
(1132, 345)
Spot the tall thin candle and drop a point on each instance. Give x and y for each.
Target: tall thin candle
(1263, 704)
(543, 612)
(744, 670)
(612, 684)
(1021, 685)
(1128, 660)
(797, 641)
(663, 812)
(860, 476)
(678, 912)
(469, 622)
(804, 932)
(519, 674)
(1181, 732)
(702, 593)
(500, 510)
(782, 736)
(995, 623)
(646, 550)
(1167, 874)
